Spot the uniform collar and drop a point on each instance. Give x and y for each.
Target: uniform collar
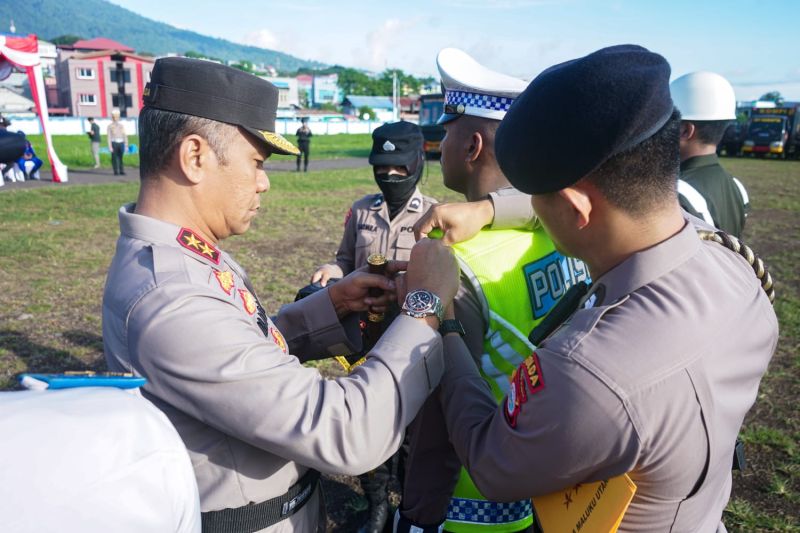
(156, 231)
(699, 161)
(644, 267)
(414, 204)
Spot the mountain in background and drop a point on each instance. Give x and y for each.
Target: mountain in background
(96, 18)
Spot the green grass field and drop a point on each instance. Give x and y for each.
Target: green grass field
(57, 243)
(75, 150)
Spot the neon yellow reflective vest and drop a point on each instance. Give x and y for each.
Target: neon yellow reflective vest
(517, 276)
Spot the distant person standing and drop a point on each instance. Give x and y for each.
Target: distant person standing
(117, 143)
(708, 105)
(303, 143)
(94, 139)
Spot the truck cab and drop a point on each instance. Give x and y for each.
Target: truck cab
(773, 131)
(430, 109)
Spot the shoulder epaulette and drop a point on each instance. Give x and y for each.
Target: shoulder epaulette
(195, 243)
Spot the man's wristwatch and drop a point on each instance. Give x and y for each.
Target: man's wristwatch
(452, 326)
(421, 303)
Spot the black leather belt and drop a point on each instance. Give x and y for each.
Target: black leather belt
(257, 516)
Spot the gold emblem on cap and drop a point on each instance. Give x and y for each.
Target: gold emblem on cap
(279, 142)
(460, 109)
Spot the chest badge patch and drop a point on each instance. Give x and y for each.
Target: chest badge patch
(225, 280)
(526, 380)
(195, 243)
(249, 301)
(277, 336)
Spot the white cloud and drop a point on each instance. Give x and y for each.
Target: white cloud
(262, 38)
(384, 44)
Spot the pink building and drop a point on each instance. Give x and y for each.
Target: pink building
(91, 72)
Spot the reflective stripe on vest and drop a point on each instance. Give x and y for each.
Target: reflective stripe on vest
(742, 191)
(517, 276)
(696, 200)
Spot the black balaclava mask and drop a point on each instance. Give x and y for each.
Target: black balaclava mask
(398, 189)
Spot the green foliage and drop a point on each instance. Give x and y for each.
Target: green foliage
(97, 18)
(246, 66)
(302, 96)
(357, 82)
(66, 39)
(773, 96)
(366, 110)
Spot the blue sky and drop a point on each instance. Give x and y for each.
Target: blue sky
(753, 43)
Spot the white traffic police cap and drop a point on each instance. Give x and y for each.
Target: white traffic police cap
(472, 89)
(704, 96)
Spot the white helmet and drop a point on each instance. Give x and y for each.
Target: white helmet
(703, 96)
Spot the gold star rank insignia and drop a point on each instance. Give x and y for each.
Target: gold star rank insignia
(249, 301)
(225, 279)
(195, 243)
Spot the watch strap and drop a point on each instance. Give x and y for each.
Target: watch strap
(452, 326)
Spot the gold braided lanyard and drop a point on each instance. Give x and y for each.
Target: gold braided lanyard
(735, 245)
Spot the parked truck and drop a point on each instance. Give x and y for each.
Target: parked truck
(431, 107)
(774, 130)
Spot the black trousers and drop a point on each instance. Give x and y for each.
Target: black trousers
(304, 149)
(117, 151)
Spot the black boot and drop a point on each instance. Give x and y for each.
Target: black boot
(378, 517)
(376, 489)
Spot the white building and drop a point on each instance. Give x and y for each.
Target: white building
(288, 96)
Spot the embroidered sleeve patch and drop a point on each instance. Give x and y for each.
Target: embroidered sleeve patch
(277, 336)
(225, 279)
(526, 380)
(249, 301)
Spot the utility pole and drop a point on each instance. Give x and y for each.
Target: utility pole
(395, 91)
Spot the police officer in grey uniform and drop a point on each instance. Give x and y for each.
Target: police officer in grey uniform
(655, 369)
(259, 426)
(708, 105)
(383, 222)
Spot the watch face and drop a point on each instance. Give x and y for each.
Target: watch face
(419, 300)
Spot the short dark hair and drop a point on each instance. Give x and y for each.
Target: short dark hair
(160, 133)
(91, 119)
(710, 131)
(643, 177)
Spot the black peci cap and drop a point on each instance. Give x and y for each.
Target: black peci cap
(217, 92)
(576, 115)
(398, 143)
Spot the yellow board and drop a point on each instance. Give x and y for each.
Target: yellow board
(346, 364)
(586, 508)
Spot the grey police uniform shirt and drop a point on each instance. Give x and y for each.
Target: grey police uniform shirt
(368, 230)
(652, 376)
(720, 196)
(254, 419)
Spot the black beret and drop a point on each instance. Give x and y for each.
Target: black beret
(576, 115)
(217, 92)
(398, 143)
